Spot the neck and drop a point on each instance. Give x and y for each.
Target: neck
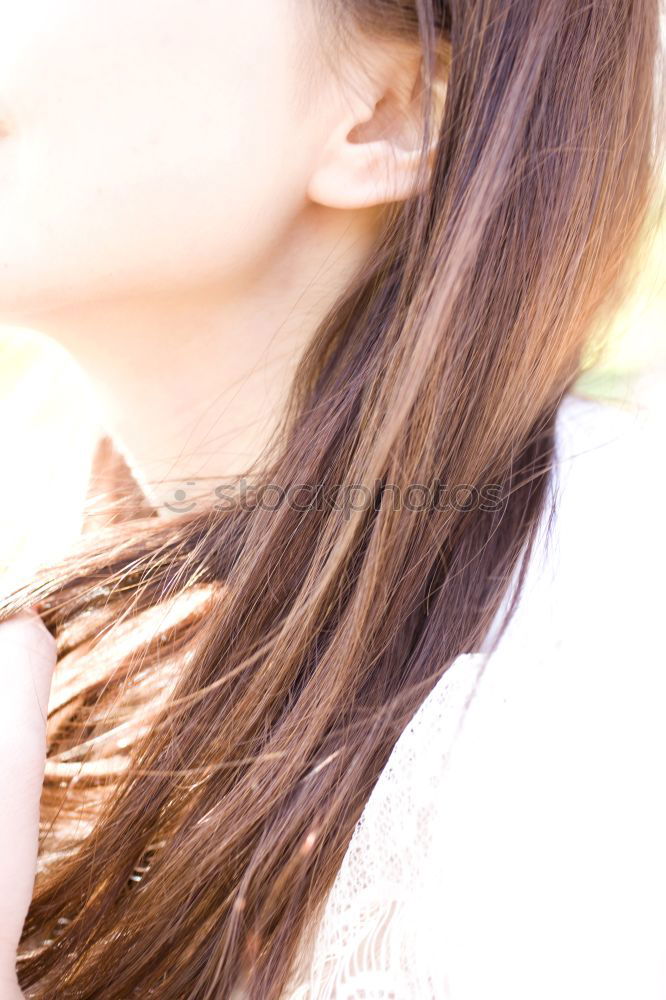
(193, 383)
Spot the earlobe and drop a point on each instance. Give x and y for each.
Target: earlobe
(361, 175)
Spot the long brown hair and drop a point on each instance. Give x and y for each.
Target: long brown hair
(232, 683)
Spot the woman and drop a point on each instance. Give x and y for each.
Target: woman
(349, 256)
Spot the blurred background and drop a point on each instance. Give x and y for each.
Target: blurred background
(50, 421)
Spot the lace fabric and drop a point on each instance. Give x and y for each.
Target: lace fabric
(369, 943)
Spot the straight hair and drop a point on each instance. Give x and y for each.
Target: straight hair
(231, 683)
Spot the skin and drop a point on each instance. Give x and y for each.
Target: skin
(185, 190)
(186, 187)
(28, 656)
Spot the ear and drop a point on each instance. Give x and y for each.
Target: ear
(374, 151)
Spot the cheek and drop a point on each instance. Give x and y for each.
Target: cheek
(165, 149)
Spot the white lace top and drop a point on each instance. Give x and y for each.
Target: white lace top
(514, 847)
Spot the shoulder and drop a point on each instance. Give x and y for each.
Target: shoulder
(609, 463)
(513, 845)
(609, 472)
(551, 821)
(597, 565)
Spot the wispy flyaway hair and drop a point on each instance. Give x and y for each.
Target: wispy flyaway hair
(232, 682)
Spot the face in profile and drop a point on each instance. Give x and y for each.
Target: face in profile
(149, 146)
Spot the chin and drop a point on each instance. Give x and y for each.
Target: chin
(25, 307)
(32, 303)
